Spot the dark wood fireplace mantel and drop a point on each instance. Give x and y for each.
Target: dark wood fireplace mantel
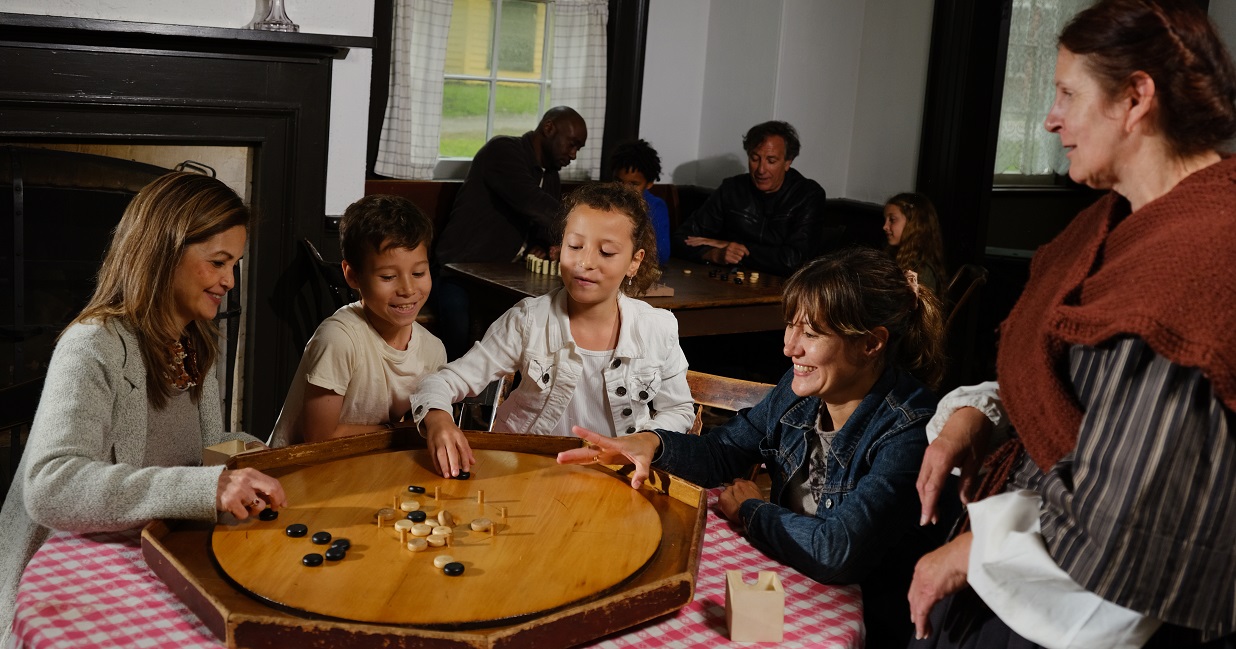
(83, 80)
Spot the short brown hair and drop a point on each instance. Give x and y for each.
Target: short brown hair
(617, 197)
(380, 221)
(855, 290)
(1174, 43)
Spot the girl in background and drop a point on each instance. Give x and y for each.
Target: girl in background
(914, 240)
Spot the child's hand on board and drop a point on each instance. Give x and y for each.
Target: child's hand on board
(447, 444)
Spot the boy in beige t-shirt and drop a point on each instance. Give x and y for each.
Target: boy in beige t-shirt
(363, 362)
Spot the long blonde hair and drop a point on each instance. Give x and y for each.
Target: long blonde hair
(135, 281)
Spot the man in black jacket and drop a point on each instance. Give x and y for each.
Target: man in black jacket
(506, 206)
(768, 219)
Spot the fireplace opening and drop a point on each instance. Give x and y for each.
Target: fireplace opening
(62, 203)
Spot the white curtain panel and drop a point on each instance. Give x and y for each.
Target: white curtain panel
(1024, 147)
(408, 148)
(579, 74)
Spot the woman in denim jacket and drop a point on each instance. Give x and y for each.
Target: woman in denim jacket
(842, 435)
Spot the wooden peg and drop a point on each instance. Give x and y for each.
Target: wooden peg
(480, 497)
(502, 513)
(437, 493)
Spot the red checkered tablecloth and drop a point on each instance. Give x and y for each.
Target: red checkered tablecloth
(94, 590)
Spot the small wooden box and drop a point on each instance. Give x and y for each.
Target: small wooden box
(754, 612)
(220, 453)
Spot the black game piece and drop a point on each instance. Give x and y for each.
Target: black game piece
(453, 568)
(417, 516)
(335, 553)
(725, 277)
(463, 475)
(341, 543)
(312, 560)
(738, 280)
(296, 530)
(321, 538)
(712, 274)
(416, 489)
(268, 514)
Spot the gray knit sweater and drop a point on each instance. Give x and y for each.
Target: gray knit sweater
(82, 468)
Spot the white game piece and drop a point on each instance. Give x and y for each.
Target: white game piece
(409, 505)
(403, 524)
(481, 524)
(445, 519)
(435, 540)
(441, 560)
(442, 530)
(417, 544)
(421, 529)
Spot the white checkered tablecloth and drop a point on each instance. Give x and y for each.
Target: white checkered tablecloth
(94, 590)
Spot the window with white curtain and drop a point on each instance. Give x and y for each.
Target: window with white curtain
(463, 71)
(1025, 151)
(497, 76)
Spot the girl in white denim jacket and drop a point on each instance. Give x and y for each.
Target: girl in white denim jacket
(589, 355)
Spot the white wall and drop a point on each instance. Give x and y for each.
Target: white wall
(677, 41)
(892, 86)
(345, 181)
(850, 76)
(740, 82)
(817, 84)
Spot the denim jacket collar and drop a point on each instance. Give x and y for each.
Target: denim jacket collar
(804, 415)
(558, 327)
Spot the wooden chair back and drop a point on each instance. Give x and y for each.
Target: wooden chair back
(722, 392)
(962, 290)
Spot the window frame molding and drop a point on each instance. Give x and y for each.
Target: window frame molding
(627, 37)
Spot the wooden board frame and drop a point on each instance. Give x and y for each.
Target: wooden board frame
(177, 553)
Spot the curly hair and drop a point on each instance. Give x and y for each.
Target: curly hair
(617, 197)
(1174, 43)
(757, 134)
(136, 280)
(921, 247)
(854, 291)
(637, 155)
(380, 221)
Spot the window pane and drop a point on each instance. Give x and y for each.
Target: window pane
(516, 108)
(465, 111)
(468, 44)
(521, 39)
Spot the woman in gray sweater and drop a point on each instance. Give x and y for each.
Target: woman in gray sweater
(131, 395)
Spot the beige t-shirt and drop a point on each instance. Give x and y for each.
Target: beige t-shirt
(347, 356)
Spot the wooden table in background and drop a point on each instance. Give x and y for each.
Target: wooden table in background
(703, 305)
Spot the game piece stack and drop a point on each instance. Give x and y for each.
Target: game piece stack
(541, 266)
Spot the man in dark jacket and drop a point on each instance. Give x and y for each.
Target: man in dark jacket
(506, 206)
(768, 219)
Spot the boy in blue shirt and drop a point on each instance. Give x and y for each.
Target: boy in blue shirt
(637, 165)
